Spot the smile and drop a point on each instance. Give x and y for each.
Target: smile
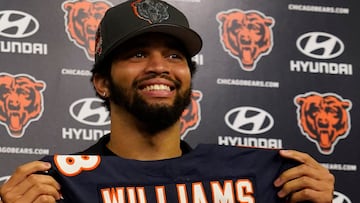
(156, 87)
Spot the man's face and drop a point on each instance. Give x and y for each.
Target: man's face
(150, 78)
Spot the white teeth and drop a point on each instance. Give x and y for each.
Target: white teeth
(157, 87)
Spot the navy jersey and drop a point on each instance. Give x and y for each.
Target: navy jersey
(209, 173)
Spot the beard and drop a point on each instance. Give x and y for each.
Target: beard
(153, 117)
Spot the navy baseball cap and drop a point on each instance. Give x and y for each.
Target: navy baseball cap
(135, 17)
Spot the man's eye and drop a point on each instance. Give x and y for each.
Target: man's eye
(175, 56)
(139, 55)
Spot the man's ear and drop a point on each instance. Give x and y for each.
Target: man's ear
(101, 85)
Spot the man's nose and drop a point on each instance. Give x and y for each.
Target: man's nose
(157, 64)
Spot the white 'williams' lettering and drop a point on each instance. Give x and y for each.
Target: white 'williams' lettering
(241, 190)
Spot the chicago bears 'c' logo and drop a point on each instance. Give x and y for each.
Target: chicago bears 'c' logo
(82, 18)
(246, 36)
(323, 118)
(21, 101)
(190, 118)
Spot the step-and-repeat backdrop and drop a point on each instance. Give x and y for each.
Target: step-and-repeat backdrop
(276, 74)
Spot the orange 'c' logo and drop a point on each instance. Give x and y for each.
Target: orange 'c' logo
(82, 18)
(246, 36)
(323, 118)
(21, 101)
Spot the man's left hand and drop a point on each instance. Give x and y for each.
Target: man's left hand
(309, 181)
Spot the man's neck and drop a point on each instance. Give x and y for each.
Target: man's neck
(128, 140)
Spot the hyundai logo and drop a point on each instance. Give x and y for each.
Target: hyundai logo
(249, 120)
(17, 24)
(340, 198)
(320, 45)
(90, 111)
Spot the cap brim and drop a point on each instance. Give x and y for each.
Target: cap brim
(191, 40)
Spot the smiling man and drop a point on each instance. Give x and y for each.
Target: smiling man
(148, 86)
(150, 79)
(143, 72)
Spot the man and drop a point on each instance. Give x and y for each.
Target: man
(143, 73)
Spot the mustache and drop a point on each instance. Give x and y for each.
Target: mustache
(177, 83)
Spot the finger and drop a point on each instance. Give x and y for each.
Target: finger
(291, 174)
(311, 196)
(10, 190)
(319, 173)
(40, 193)
(300, 157)
(45, 198)
(320, 183)
(299, 184)
(301, 196)
(35, 180)
(25, 170)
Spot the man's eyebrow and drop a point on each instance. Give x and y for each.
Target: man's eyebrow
(140, 42)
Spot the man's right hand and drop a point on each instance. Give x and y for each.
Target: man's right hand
(26, 185)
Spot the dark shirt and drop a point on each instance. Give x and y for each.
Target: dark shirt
(100, 148)
(209, 173)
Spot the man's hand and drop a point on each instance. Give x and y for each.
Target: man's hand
(27, 186)
(308, 181)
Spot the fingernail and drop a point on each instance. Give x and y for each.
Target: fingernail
(281, 194)
(47, 165)
(60, 196)
(284, 151)
(277, 182)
